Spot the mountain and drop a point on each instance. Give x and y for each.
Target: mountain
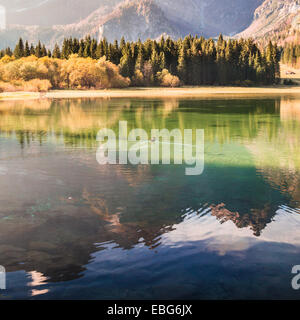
(52, 20)
(276, 20)
(135, 19)
(214, 15)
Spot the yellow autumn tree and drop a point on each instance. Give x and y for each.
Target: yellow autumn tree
(40, 74)
(166, 79)
(87, 73)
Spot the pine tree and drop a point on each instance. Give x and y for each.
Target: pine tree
(19, 49)
(8, 52)
(93, 49)
(127, 63)
(116, 53)
(38, 50)
(66, 49)
(122, 43)
(56, 52)
(270, 63)
(183, 63)
(100, 52)
(75, 46)
(140, 57)
(162, 61)
(155, 60)
(27, 50)
(196, 62)
(44, 52)
(81, 48)
(32, 50)
(87, 47)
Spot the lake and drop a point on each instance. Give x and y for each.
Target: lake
(71, 228)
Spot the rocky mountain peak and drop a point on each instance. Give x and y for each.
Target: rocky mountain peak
(276, 20)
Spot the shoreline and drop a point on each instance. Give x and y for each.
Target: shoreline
(188, 92)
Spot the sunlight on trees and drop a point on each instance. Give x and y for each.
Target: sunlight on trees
(87, 64)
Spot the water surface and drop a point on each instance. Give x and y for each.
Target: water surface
(72, 229)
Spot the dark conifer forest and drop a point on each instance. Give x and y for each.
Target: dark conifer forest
(291, 55)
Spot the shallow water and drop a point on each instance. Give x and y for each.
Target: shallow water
(70, 228)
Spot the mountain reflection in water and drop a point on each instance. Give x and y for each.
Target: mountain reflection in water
(81, 230)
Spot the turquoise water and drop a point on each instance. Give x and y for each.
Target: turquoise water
(72, 229)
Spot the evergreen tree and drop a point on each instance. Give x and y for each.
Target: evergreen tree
(155, 60)
(127, 63)
(93, 49)
(8, 51)
(122, 43)
(116, 55)
(19, 51)
(44, 51)
(81, 48)
(140, 57)
(38, 50)
(183, 63)
(87, 47)
(75, 46)
(66, 49)
(27, 52)
(32, 50)
(56, 52)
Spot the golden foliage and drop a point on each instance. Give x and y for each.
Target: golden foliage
(166, 79)
(40, 74)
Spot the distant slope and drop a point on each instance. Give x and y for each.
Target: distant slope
(276, 20)
(212, 17)
(52, 12)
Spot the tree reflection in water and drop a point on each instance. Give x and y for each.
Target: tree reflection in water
(58, 205)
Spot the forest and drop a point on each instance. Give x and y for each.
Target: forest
(88, 64)
(291, 55)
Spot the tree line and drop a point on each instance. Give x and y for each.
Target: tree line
(190, 61)
(291, 55)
